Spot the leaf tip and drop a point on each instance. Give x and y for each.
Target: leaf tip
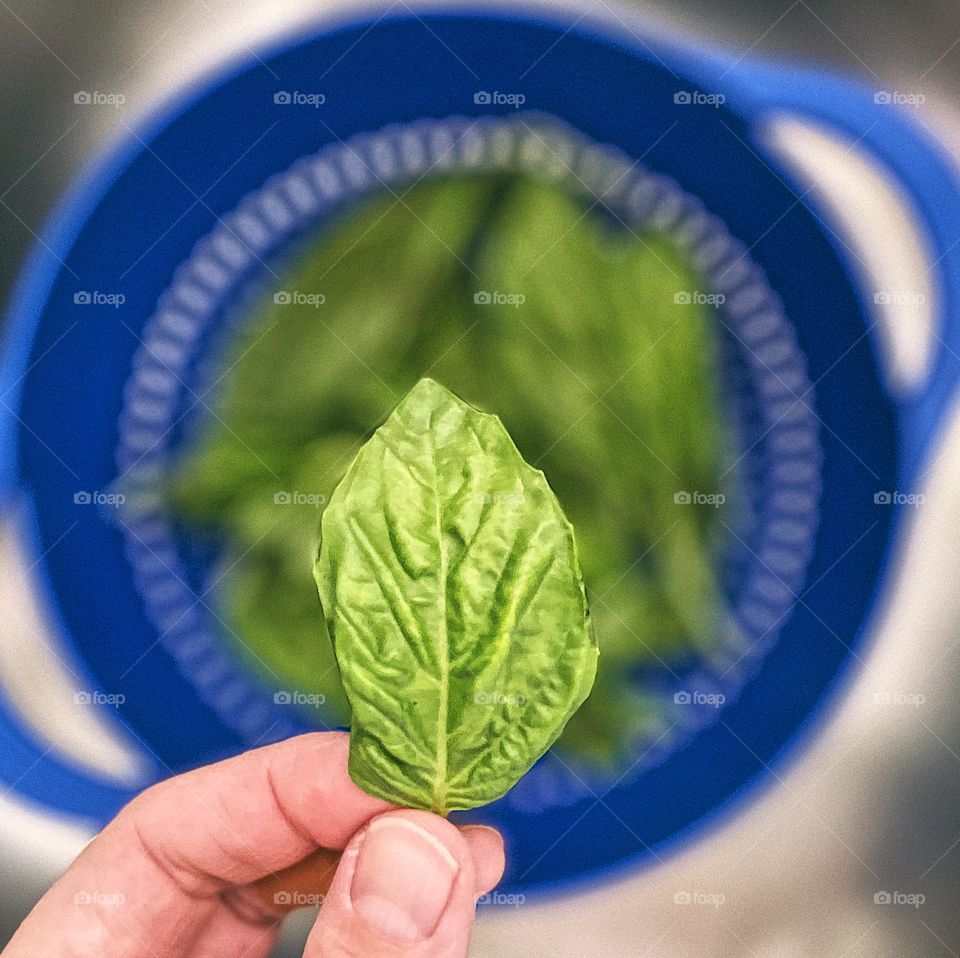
(428, 388)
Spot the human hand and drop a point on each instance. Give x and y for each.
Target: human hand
(206, 863)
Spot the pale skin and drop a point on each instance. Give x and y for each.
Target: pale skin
(177, 872)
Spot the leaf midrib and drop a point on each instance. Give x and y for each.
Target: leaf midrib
(443, 651)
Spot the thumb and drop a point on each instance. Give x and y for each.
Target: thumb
(406, 886)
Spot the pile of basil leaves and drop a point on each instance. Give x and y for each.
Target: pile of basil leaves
(582, 336)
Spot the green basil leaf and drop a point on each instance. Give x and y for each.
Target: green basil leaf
(449, 579)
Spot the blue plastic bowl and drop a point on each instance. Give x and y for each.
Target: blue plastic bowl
(196, 195)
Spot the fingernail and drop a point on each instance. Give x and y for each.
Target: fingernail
(403, 879)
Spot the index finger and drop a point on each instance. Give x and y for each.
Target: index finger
(245, 818)
(172, 850)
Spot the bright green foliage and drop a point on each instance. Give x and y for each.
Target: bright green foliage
(449, 579)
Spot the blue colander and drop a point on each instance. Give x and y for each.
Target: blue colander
(664, 136)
